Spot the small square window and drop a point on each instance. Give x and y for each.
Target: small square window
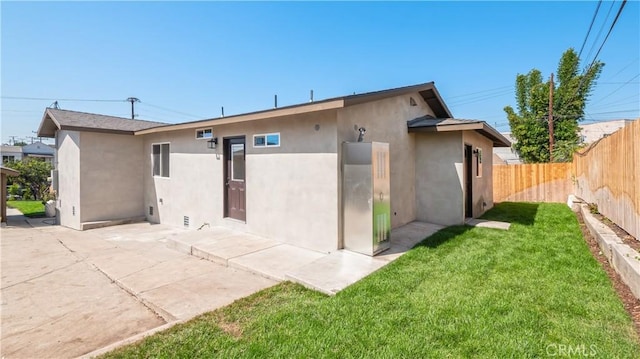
(273, 140)
(259, 141)
(204, 133)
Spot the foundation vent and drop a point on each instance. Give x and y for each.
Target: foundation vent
(151, 210)
(73, 210)
(186, 221)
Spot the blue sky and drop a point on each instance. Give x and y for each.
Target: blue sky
(186, 60)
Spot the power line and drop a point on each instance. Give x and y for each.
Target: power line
(618, 89)
(170, 110)
(595, 58)
(479, 92)
(590, 26)
(481, 98)
(624, 68)
(619, 101)
(624, 2)
(601, 29)
(618, 83)
(57, 99)
(598, 113)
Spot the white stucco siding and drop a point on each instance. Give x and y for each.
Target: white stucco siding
(482, 192)
(386, 121)
(194, 187)
(68, 167)
(111, 176)
(439, 177)
(291, 190)
(293, 197)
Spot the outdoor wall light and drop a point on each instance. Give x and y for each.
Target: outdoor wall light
(211, 144)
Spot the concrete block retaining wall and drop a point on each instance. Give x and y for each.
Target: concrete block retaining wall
(624, 259)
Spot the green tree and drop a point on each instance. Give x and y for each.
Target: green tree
(530, 125)
(34, 175)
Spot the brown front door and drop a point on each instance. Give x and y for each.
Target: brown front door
(235, 196)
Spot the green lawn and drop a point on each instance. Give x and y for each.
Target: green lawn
(532, 291)
(28, 208)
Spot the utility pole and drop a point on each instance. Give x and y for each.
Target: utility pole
(551, 119)
(133, 100)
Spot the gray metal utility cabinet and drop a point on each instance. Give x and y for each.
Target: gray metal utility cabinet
(366, 201)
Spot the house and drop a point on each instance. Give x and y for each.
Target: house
(39, 151)
(276, 173)
(591, 132)
(11, 153)
(506, 155)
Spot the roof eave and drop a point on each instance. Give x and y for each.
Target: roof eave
(427, 91)
(260, 115)
(481, 127)
(99, 130)
(9, 171)
(41, 131)
(448, 127)
(434, 100)
(491, 133)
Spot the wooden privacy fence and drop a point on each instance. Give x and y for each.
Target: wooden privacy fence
(608, 174)
(538, 182)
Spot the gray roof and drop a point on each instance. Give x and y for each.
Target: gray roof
(55, 119)
(11, 149)
(428, 121)
(426, 90)
(432, 124)
(38, 148)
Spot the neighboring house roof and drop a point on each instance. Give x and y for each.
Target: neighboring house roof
(507, 155)
(592, 132)
(55, 119)
(8, 171)
(426, 90)
(10, 149)
(431, 124)
(38, 148)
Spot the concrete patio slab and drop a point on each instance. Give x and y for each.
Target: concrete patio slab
(66, 293)
(223, 249)
(180, 269)
(483, 223)
(336, 271)
(148, 282)
(275, 262)
(40, 313)
(406, 237)
(206, 292)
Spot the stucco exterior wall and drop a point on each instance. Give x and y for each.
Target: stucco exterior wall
(293, 197)
(482, 192)
(439, 177)
(291, 192)
(111, 176)
(68, 166)
(386, 121)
